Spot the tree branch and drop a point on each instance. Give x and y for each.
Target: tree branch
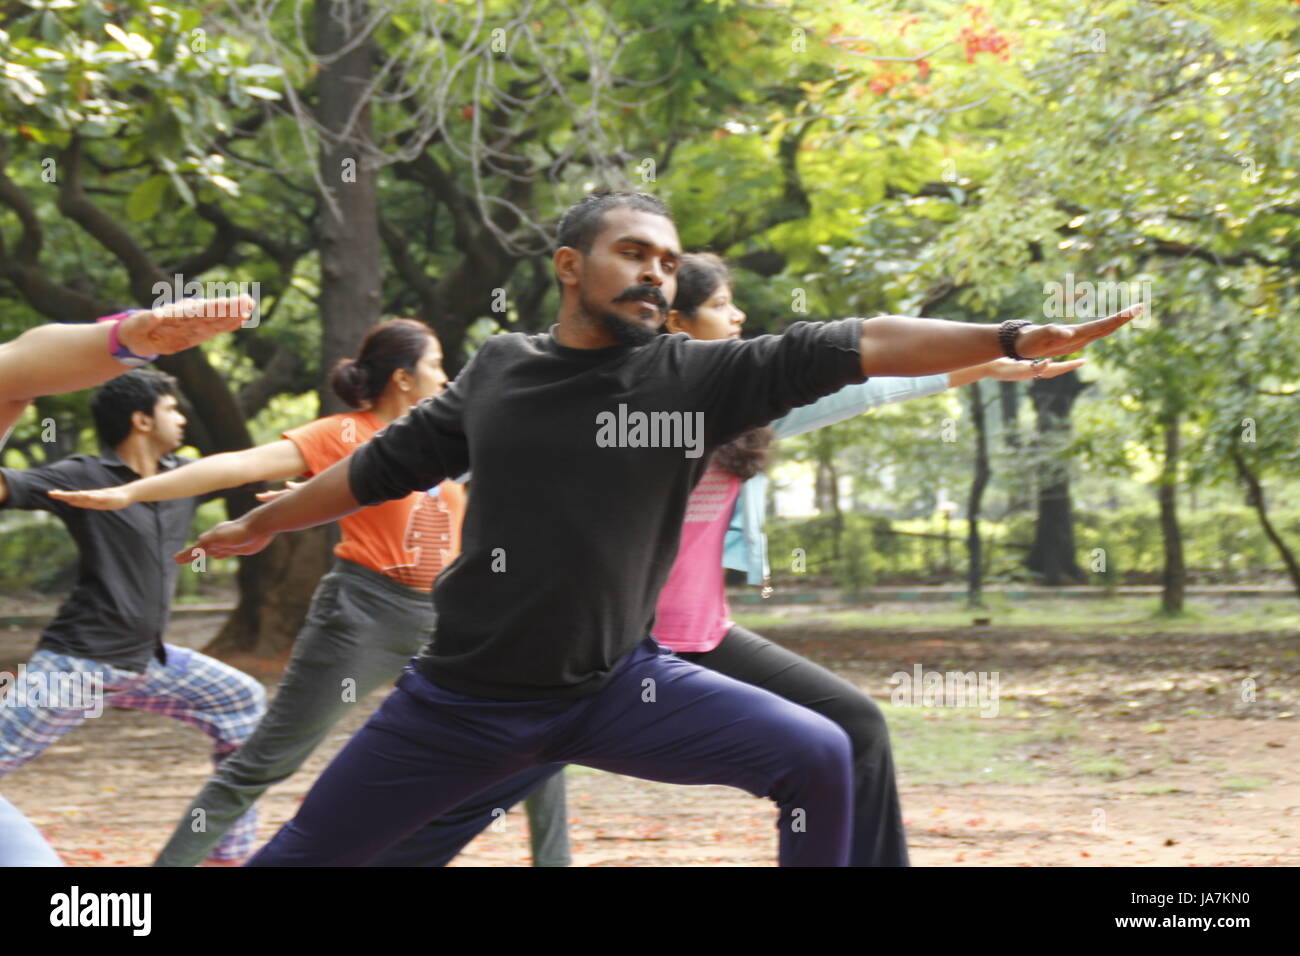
(52, 299)
(142, 271)
(29, 243)
(283, 370)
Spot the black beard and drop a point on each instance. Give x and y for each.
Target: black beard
(624, 332)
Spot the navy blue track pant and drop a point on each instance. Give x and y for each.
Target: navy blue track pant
(427, 749)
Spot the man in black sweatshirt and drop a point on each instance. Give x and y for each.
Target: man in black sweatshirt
(585, 442)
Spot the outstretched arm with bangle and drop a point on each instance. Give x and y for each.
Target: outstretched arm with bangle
(56, 358)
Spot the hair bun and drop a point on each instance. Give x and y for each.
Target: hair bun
(350, 382)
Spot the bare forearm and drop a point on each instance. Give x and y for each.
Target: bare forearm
(278, 459)
(55, 358)
(896, 345)
(50, 359)
(964, 376)
(899, 345)
(323, 499)
(209, 474)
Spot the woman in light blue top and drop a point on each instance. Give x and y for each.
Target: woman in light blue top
(704, 310)
(718, 317)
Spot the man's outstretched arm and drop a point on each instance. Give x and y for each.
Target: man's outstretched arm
(898, 345)
(326, 497)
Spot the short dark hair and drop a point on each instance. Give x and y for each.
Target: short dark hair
(699, 275)
(580, 224)
(114, 402)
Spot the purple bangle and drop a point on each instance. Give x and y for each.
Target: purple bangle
(115, 346)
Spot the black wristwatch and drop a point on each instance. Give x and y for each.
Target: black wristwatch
(1008, 331)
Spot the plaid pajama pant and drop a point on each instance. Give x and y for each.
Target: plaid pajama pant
(224, 703)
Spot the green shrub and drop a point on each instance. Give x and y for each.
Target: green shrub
(36, 554)
(1225, 544)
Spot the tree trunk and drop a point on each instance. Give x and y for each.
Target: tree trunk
(60, 438)
(276, 586)
(275, 589)
(1255, 496)
(1052, 554)
(273, 594)
(827, 491)
(1174, 576)
(974, 545)
(351, 277)
(1018, 483)
(1009, 406)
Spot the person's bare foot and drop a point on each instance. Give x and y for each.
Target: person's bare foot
(183, 324)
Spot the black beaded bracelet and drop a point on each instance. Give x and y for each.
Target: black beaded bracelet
(1007, 334)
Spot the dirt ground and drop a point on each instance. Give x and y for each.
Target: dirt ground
(1169, 749)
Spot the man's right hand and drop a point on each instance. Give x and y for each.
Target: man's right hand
(1045, 341)
(224, 541)
(325, 498)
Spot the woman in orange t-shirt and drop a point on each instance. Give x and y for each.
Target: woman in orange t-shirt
(369, 615)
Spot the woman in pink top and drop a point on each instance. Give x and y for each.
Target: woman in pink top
(692, 617)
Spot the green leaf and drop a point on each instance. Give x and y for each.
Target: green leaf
(260, 71)
(238, 95)
(146, 199)
(225, 183)
(183, 188)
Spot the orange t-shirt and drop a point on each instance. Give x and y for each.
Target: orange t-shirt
(410, 539)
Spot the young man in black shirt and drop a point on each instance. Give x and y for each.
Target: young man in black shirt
(584, 444)
(104, 648)
(57, 358)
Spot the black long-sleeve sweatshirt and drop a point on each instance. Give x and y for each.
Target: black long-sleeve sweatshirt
(582, 460)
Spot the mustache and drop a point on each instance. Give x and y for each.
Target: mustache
(644, 292)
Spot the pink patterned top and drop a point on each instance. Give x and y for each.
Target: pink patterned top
(692, 612)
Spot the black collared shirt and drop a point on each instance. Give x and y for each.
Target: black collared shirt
(121, 604)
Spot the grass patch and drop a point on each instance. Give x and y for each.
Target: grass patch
(1122, 615)
(1089, 763)
(1245, 783)
(1060, 732)
(956, 745)
(1155, 789)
